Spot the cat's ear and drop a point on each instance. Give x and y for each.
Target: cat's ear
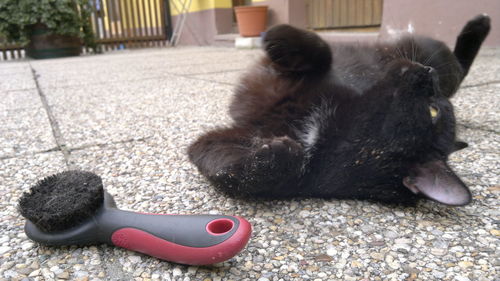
(294, 50)
(438, 182)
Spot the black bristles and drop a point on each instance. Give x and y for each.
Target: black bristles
(63, 200)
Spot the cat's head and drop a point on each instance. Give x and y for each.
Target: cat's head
(420, 124)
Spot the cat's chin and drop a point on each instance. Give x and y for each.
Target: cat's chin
(436, 181)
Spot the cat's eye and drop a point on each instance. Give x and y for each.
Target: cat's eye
(434, 111)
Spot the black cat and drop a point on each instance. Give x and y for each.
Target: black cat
(344, 121)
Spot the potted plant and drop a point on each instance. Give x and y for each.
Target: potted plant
(252, 20)
(47, 28)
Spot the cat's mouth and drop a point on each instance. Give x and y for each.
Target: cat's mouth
(438, 182)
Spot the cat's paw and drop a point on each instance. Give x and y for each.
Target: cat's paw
(282, 44)
(296, 50)
(477, 28)
(278, 150)
(275, 157)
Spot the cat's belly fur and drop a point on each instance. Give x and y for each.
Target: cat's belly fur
(357, 68)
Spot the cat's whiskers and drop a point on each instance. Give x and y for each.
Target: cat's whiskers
(404, 53)
(446, 64)
(413, 51)
(399, 52)
(429, 58)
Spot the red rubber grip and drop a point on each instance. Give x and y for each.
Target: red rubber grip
(143, 242)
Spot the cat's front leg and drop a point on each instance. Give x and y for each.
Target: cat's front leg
(240, 163)
(297, 51)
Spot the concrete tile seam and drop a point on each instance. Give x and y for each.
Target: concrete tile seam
(13, 73)
(217, 72)
(188, 76)
(477, 128)
(112, 266)
(9, 110)
(56, 131)
(205, 80)
(31, 153)
(101, 145)
(480, 84)
(103, 83)
(71, 149)
(19, 90)
(193, 76)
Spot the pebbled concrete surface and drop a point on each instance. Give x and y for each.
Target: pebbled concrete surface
(129, 116)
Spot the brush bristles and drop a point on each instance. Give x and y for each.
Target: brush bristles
(63, 200)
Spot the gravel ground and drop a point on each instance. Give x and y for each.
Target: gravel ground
(129, 116)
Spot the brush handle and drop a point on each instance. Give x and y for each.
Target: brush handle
(186, 239)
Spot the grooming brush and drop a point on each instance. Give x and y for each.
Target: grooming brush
(72, 208)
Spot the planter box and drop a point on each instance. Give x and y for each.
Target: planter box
(44, 45)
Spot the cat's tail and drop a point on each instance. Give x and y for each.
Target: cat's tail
(470, 39)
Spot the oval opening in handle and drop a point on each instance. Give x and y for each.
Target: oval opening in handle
(220, 226)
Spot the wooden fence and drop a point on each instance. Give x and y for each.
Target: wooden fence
(121, 24)
(330, 14)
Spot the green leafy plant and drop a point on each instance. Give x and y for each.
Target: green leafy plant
(63, 17)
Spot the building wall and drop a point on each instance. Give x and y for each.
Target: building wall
(442, 19)
(285, 11)
(206, 19)
(199, 5)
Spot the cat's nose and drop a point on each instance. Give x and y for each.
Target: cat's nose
(425, 68)
(429, 69)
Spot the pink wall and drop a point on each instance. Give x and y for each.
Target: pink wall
(286, 11)
(441, 19)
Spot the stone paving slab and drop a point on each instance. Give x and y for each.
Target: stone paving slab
(132, 110)
(24, 130)
(16, 81)
(20, 100)
(478, 163)
(66, 78)
(486, 68)
(77, 71)
(134, 133)
(14, 68)
(479, 106)
(228, 77)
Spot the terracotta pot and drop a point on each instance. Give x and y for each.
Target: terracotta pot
(44, 45)
(251, 20)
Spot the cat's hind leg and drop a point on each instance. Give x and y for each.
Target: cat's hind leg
(470, 39)
(240, 163)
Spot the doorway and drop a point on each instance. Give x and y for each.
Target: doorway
(344, 14)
